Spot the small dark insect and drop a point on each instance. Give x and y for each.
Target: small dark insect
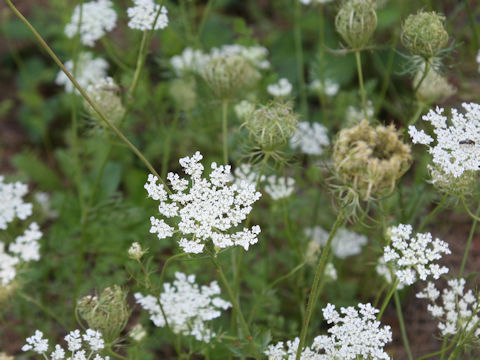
(467, 142)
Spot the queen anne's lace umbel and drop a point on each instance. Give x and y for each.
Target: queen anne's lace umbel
(97, 18)
(356, 334)
(311, 139)
(187, 306)
(282, 88)
(143, 14)
(414, 257)
(81, 346)
(458, 311)
(25, 247)
(457, 147)
(87, 71)
(345, 243)
(203, 209)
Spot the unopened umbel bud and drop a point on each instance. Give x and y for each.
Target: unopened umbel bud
(228, 75)
(424, 34)
(356, 21)
(107, 313)
(272, 125)
(105, 94)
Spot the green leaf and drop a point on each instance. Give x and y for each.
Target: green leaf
(30, 164)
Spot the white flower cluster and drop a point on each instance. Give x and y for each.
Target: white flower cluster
(282, 88)
(384, 271)
(413, 257)
(279, 187)
(206, 210)
(193, 61)
(91, 338)
(327, 87)
(311, 139)
(246, 174)
(308, 2)
(144, 13)
(355, 115)
(97, 18)
(478, 60)
(187, 306)
(244, 109)
(345, 243)
(458, 311)
(87, 71)
(457, 146)
(25, 247)
(12, 205)
(355, 335)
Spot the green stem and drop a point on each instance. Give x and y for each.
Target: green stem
(416, 115)
(114, 354)
(444, 343)
(425, 72)
(45, 309)
(83, 93)
(387, 298)
(140, 60)
(235, 305)
(113, 55)
(469, 242)
(467, 209)
(186, 22)
(314, 293)
(299, 55)
(168, 140)
(205, 15)
(436, 353)
(471, 21)
(225, 130)
(270, 286)
(429, 217)
(401, 322)
(363, 94)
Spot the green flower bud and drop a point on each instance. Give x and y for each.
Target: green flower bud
(424, 34)
(370, 160)
(272, 125)
(356, 21)
(105, 95)
(183, 93)
(107, 313)
(229, 75)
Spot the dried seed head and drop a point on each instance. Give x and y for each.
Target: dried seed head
(105, 94)
(107, 313)
(464, 185)
(356, 21)
(424, 34)
(228, 75)
(370, 160)
(434, 88)
(272, 125)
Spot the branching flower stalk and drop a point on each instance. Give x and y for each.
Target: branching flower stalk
(314, 292)
(82, 91)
